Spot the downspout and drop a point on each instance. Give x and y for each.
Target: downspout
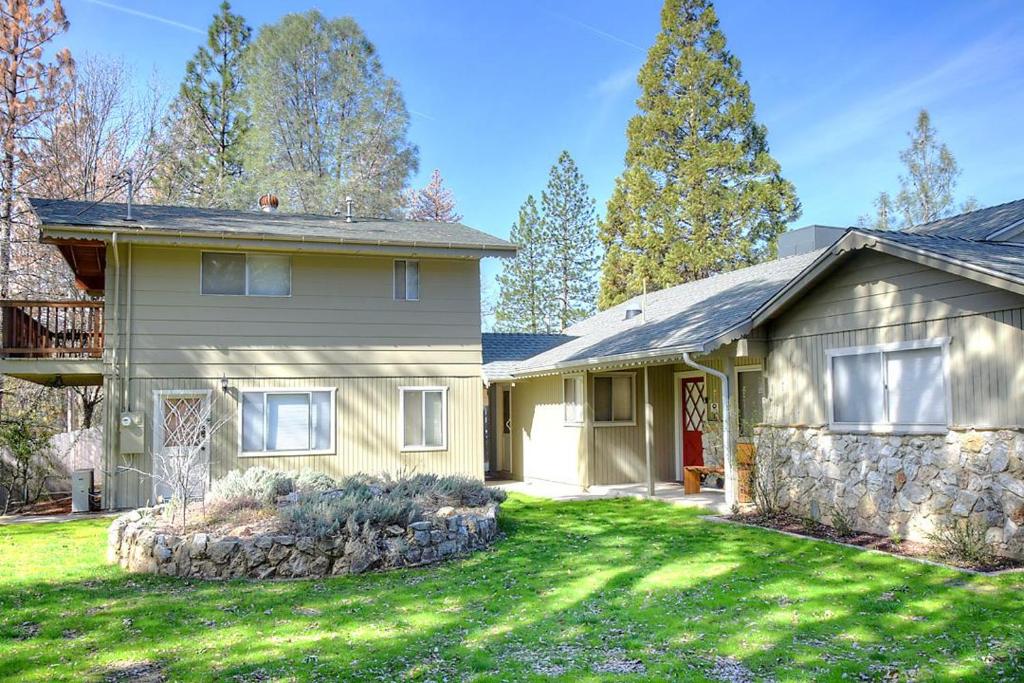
(128, 333)
(731, 480)
(112, 420)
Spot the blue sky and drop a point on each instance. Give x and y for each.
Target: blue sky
(497, 90)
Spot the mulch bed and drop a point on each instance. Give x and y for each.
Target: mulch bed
(862, 539)
(48, 506)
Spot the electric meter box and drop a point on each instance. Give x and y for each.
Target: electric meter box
(131, 433)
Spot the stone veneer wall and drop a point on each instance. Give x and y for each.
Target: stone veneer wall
(134, 543)
(908, 484)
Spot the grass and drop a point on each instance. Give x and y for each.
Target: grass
(594, 590)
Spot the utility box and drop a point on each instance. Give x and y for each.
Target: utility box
(131, 433)
(81, 491)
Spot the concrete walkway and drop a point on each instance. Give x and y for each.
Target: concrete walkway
(712, 500)
(43, 519)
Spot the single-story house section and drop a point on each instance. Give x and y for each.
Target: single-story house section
(882, 369)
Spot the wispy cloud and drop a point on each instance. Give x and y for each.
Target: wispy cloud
(420, 114)
(147, 15)
(607, 95)
(992, 59)
(601, 33)
(616, 83)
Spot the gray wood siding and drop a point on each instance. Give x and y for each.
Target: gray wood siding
(366, 430)
(543, 446)
(340, 321)
(874, 299)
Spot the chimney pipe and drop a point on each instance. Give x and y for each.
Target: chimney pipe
(348, 209)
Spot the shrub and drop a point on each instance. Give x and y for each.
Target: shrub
(437, 491)
(314, 481)
(256, 483)
(962, 542)
(841, 521)
(322, 514)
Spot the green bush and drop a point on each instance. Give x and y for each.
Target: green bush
(314, 481)
(256, 483)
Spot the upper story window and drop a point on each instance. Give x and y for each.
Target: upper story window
(891, 387)
(407, 280)
(614, 399)
(246, 274)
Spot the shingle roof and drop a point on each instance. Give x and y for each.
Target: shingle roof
(681, 318)
(504, 350)
(257, 224)
(975, 225)
(1006, 258)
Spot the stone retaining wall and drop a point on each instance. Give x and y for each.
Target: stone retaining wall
(136, 545)
(907, 484)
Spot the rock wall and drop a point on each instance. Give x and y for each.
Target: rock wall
(135, 544)
(907, 484)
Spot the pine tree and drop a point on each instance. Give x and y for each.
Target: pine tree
(435, 202)
(524, 304)
(700, 193)
(209, 119)
(569, 231)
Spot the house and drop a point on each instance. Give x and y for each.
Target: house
(332, 343)
(883, 371)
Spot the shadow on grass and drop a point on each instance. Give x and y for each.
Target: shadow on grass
(583, 589)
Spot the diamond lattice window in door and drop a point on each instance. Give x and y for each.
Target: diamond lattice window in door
(694, 406)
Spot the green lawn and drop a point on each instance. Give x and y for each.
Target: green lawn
(612, 589)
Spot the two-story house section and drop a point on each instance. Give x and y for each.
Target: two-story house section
(332, 343)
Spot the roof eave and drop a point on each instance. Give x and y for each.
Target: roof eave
(223, 239)
(666, 353)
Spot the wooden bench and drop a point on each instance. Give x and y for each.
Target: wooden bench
(692, 474)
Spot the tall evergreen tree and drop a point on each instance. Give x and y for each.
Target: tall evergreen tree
(928, 187)
(327, 122)
(569, 232)
(208, 119)
(435, 202)
(700, 193)
(525, 300)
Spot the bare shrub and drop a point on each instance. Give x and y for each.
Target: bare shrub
(841, 521)
(256, 483)
(768, 475)
(962, 542)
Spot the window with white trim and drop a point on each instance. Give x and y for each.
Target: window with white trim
(572, 399)
(288, 421)
(614, 401)
(407, 280)
(902, 386)
(424, 418)
(246, 274)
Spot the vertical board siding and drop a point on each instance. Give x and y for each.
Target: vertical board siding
(366, 430)
(877, 299)
(543, 446)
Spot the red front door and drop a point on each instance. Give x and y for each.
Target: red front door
(693, 407)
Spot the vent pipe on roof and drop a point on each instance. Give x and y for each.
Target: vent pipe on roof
(128, 176)
(348, 209)
(268, 202)
(634, 311)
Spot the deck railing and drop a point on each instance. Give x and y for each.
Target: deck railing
(52, 329)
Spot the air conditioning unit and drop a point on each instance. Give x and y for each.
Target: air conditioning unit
(81, 490)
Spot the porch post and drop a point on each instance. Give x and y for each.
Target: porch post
(648, 433)
(729, 435)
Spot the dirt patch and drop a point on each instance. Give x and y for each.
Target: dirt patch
(862, 539)
(134, 672)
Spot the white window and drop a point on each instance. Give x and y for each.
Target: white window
(891, 387)
(424, 418)
(288, 422)
(246, 274)
(614, 399)
(572, 399)
(407, 280)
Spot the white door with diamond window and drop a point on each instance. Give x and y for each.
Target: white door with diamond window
(181, 454)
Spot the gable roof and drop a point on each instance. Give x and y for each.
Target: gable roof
(990, 223)
(999, 264)
(151, 220)
(688, 317)
(504, 350)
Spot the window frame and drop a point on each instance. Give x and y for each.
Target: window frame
(330, 450)
(394, 283)
(941, 343)
(422, 448)
(245, 269)
(633, 398)
(581, 381)
(757, 367)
